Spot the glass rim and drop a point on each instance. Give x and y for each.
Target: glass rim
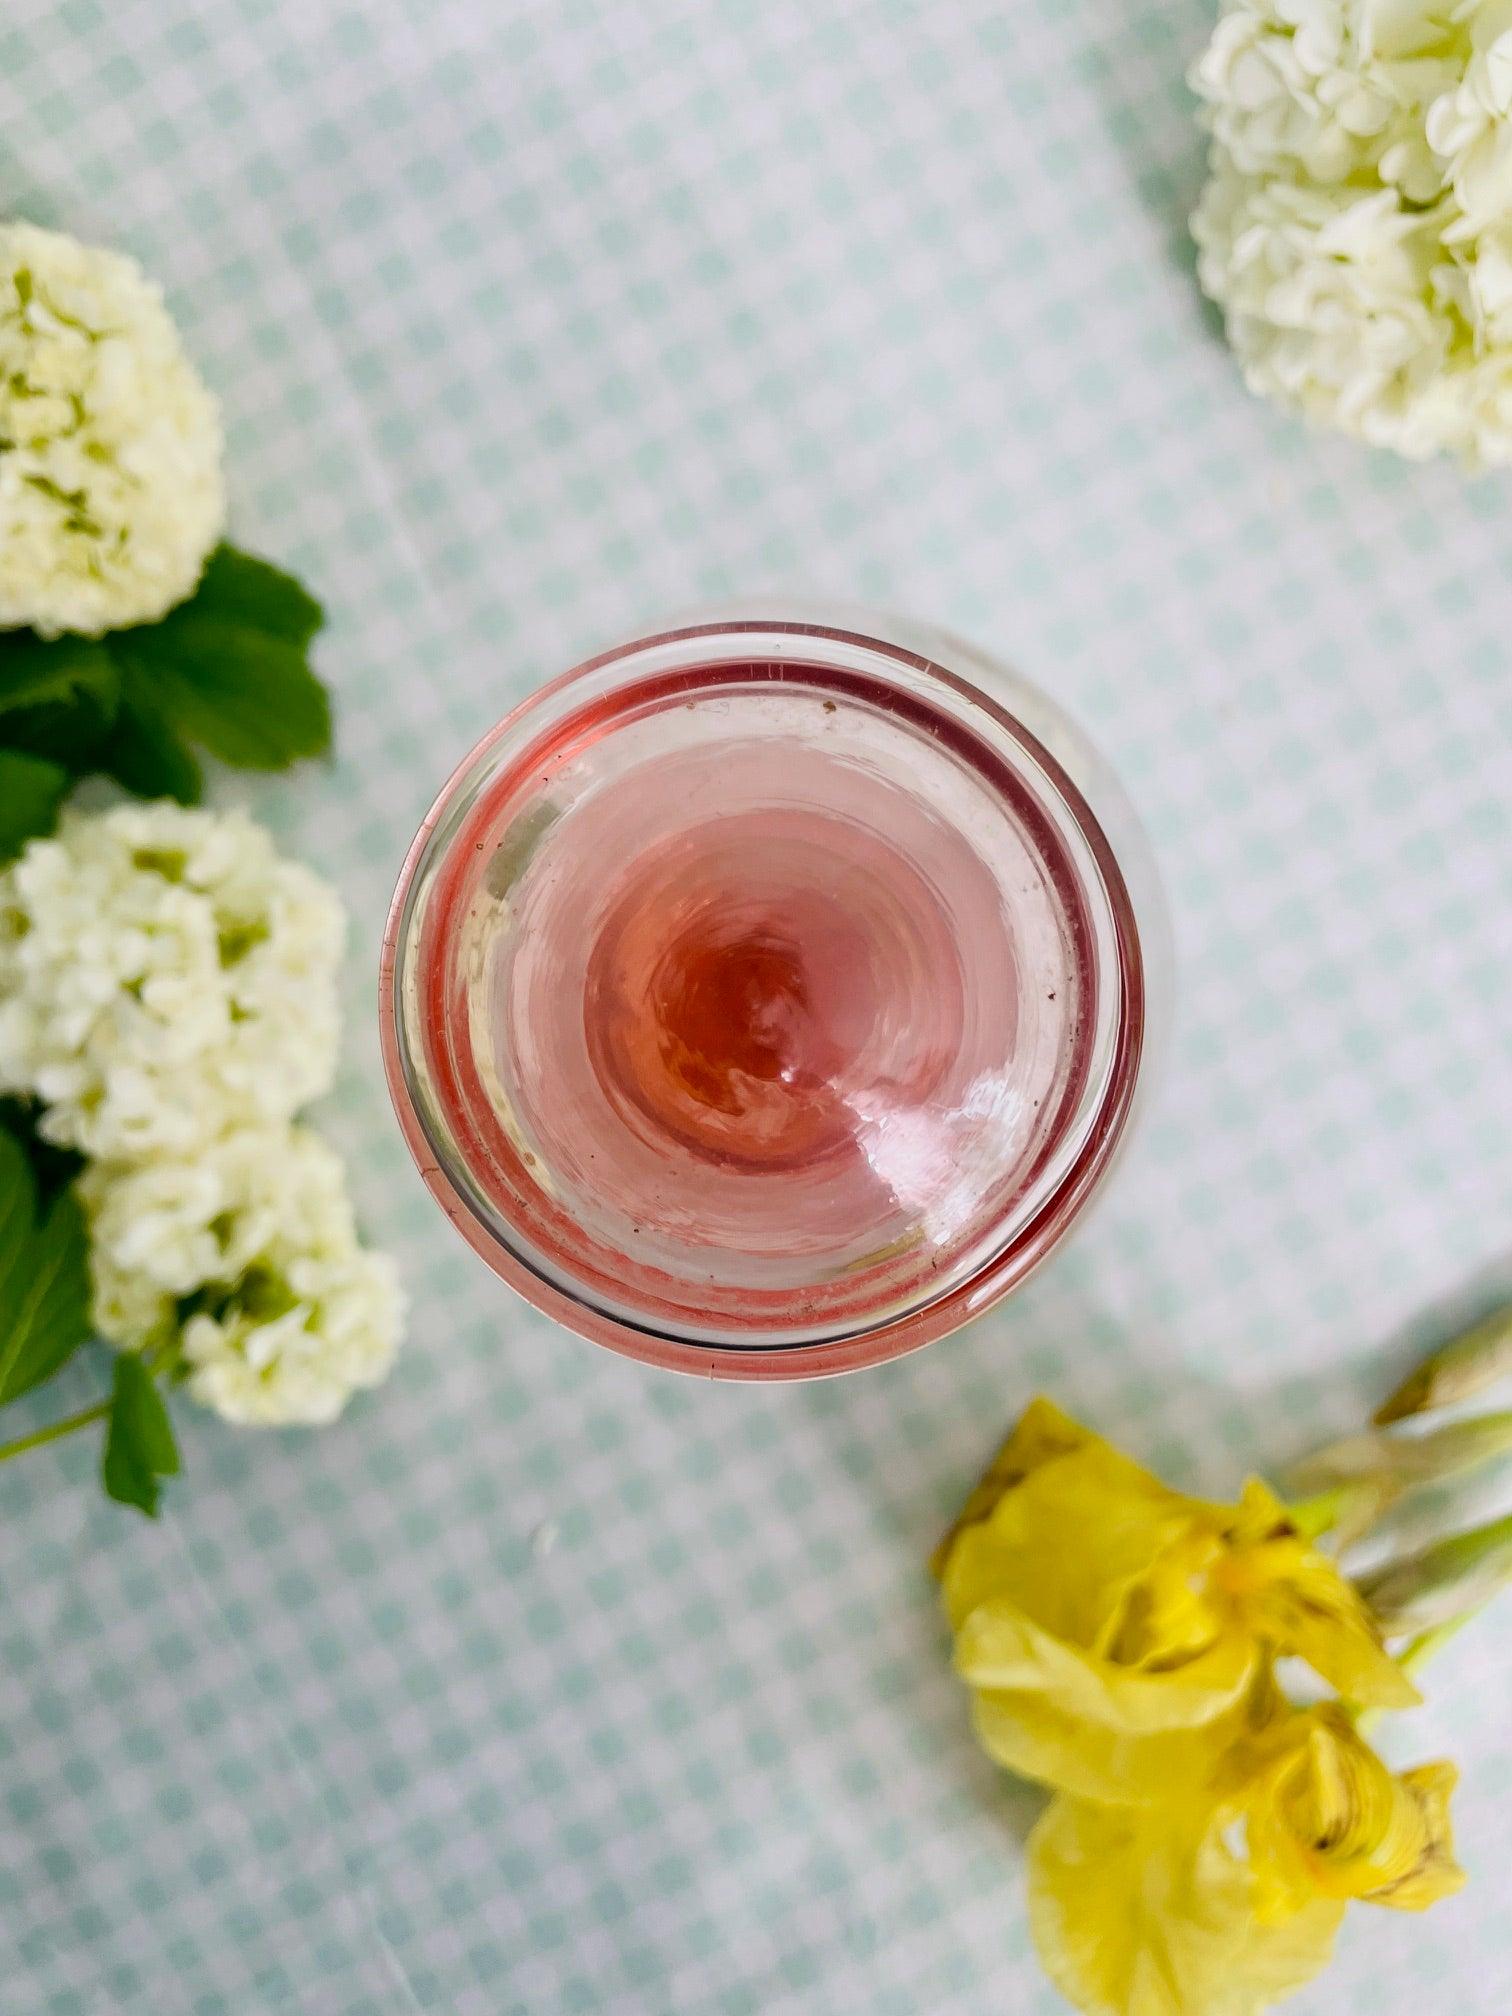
(1084, 1161)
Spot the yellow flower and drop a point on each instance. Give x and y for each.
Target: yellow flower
(1145, 1911)
(1154, 1910)
(1295, 1600)
(1103, 1621)
(1325, 1817)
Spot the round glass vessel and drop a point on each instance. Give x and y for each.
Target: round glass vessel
(763, 999)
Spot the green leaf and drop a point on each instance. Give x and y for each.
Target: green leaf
(71, 736)
(139, 1444)
(143, 753)
(228, 667)
(58, 697)
(248, 696)
(44, 1277)
(31, 790)
(54, 672)
(227, 670)
(53, 1168)
(251, 594)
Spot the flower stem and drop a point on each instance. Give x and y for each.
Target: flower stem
(1414, 1656)
(162, 1359)
(1315, 1516)
(55, 1431)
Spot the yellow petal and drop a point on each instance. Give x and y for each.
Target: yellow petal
(1144, 1912)
(1326, 1817)
(1278, 1959)
(1054, 1713)
(1259, 1516)
(1310, 1610)
(998, 1647)
(1436, 1873)
(1319, 1813)
(1032, 1736)
(1041, 1433)
(1285, 1591)
(1066, 1544)
(1167, 1617)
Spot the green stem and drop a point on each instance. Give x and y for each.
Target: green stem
(1418, 1651)
(1313, 1517)
(54, 1431)
(163, 1359)
(1414, 1656)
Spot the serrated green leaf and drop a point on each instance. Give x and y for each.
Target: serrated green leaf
(44, 1277)
(58, 697)
(248, 696)
(143, 753)
(71, 736)
(54, 672)
(139, 1444)
(31, 790)
(252, 594)
(227, 670)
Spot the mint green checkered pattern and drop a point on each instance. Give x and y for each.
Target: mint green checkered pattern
(543, 1683)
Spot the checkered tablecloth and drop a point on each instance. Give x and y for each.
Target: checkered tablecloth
(545, 1684)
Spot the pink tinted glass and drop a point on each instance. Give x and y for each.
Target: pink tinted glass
(762, 1000)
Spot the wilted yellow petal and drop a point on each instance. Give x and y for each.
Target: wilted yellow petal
(1314, 1613)
(1259, 1516)
(1066, 1544)
(1029, 1734)
(1437, 1874)
(1144, 1912)
(1055, 1713)
(1167, 1617)
(1286, 1592)
(1326, 1817)
(998, 1647)
(1041, 1433)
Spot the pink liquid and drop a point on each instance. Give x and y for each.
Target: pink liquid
(772, 998)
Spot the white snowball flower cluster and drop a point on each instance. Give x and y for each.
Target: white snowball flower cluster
(164, 975)
(1356, 228)
(110, 446)
(168, 995)
(249, 1251)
